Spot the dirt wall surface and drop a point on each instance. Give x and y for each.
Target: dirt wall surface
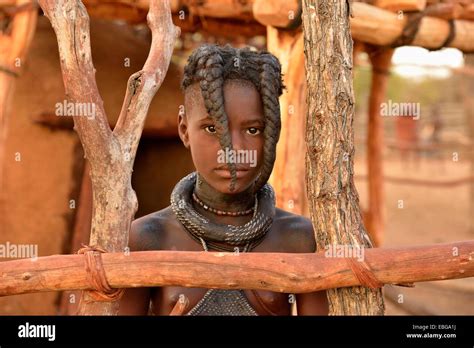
(43, 166)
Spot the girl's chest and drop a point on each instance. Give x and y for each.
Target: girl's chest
(262, 302)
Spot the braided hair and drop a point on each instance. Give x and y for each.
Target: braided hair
(211, 65)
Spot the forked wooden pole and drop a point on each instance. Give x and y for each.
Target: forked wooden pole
(111, 154)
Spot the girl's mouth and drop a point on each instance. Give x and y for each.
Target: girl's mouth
(225, 172)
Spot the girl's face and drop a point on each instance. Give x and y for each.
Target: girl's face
(244, 110)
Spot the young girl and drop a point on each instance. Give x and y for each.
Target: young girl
(231, 126)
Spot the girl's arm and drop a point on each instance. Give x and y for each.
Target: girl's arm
(312, 303)
(135, 301)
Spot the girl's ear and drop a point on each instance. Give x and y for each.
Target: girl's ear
(183, 130)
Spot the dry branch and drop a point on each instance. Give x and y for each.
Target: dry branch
(280, 272)
(71, 25)
(111, 154)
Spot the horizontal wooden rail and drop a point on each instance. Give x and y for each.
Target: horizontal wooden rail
(280, 272)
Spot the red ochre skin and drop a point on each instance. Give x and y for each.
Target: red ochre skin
(290, 233)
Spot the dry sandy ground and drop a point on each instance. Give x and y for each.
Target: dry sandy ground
(429, 215)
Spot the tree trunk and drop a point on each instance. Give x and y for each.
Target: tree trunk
(333, 199)
(111, 154)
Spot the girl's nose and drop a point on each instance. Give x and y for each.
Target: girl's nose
(238, 141)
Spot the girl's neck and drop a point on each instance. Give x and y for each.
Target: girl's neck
(223, 201)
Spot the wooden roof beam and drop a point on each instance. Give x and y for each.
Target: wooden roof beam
(369, 23)
(380, 27)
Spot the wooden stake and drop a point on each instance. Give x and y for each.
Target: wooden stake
(289, 170)
(381, 62)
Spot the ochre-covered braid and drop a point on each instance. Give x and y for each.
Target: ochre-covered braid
(211, 65)
(211, 79)
(270, 71)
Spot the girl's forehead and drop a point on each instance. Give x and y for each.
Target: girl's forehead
(243, 83)
(238, 94)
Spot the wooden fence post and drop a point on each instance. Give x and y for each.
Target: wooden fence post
(333, 199)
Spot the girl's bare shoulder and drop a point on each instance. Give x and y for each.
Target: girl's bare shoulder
(150, 232)
(295, 231)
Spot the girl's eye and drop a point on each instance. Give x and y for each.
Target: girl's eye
(210, 129)
(253, 131)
